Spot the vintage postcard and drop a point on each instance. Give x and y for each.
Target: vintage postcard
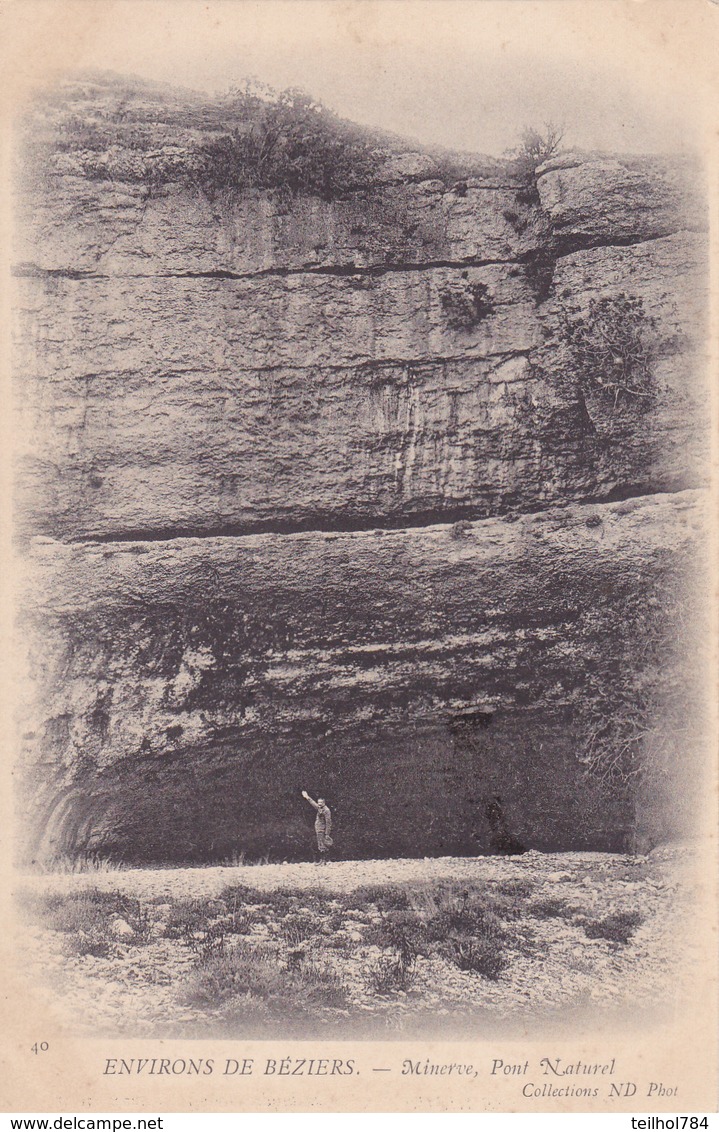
(359, 593)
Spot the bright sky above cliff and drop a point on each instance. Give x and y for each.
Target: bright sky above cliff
(467, 74)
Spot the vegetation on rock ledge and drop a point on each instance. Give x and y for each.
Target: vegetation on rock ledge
(612, 348)
(287, 141)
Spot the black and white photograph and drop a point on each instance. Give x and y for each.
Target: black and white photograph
(362, 667)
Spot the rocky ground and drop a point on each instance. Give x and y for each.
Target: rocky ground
(370, 948)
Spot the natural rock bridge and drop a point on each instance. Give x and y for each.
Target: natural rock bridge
(289, 518)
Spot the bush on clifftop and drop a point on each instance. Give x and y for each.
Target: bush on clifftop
(289, 142)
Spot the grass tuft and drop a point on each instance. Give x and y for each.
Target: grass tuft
(618, 928)
(255, 975)
(551, 908)
(385, 897)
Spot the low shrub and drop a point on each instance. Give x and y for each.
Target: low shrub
(93, 943)
(388, 974)
(240, 921)
(289, 142)
(296, 927)
(455, 923)
(464, 304)
(241, 912)
(206, 944)
(252, 138)
(466, 914)
(278, 900)
(255, 974)
(87, 919)
(551, 908)
(515, 889)
(612, 347)
(245, 970)
(464, 928)
(483, 955)
(75, 913)
(618, 927)
(317, 984)
(201, 925)
(405, 932)
(428, 899)
(505, 907)
(383, 896)
(186, 917)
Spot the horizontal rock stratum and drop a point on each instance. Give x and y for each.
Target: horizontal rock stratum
(310, 495)
(413, 675)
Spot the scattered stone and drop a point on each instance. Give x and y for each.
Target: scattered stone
(121, 929)
(137, 990)
(433, 186)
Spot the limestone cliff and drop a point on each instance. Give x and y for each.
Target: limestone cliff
(249, 423)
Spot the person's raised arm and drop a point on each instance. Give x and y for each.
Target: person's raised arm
(307, 798)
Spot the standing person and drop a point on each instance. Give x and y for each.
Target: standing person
(323, 825)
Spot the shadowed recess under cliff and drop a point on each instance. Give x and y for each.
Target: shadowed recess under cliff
(185, 688)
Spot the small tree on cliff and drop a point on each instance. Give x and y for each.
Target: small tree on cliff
(537, 146)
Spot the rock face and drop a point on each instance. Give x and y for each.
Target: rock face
(309, 496)
(615, 201)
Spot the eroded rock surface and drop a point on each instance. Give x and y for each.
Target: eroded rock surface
(209, 679)
(309, 496)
